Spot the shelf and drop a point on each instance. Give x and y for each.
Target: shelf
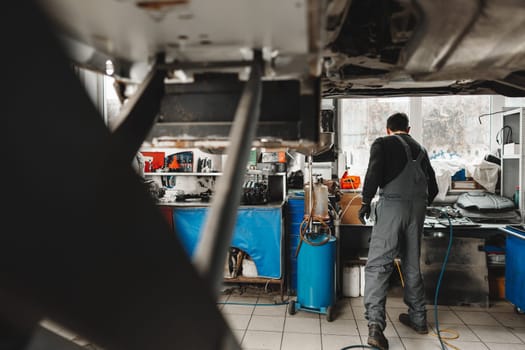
(251, 172)
(182, 174)
(511, 156)
(253, 280)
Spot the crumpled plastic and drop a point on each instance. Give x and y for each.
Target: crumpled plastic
(445, 169)
(483, 172)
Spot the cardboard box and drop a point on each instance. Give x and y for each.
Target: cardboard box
(466, 185)
(350, 204)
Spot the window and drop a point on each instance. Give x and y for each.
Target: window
(451, 126)
(445, 125)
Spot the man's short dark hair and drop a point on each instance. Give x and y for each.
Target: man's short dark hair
(397, 122)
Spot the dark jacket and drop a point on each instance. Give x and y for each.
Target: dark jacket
(387, 160)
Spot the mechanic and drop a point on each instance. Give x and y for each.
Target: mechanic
(405, 190)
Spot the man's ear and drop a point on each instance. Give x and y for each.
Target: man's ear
(388, 131)
(408, 129)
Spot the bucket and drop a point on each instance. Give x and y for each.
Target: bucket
(351, 281)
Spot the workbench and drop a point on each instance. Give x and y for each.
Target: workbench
(259, 231)
(465, 281)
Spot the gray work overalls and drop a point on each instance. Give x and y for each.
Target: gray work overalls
(400, 214)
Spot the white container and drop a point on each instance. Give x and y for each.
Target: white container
(319, 200)
(351, 281)
(362, 280)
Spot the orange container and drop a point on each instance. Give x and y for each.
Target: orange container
(350, 182)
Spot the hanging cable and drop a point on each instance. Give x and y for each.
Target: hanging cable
(503, 139)
(487, 114)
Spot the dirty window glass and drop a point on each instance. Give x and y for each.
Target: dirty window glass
(362, 121)
(445, 125)
(451, 126)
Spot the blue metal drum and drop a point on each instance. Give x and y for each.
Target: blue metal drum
(316, 268)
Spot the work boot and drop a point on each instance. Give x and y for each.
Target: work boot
(376, 337)
(405, 319)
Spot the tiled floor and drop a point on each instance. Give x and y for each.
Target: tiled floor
(260, 321)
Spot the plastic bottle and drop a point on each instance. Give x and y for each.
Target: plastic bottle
(516, 197)
(319, 200)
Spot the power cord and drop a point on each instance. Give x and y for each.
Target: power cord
(438, 286)
(502, 138)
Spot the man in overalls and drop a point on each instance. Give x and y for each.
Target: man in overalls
(400, 168)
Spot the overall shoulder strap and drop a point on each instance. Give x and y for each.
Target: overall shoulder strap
(405, 146)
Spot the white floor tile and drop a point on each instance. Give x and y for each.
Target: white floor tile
(481, 318)
(359, 312)
(258, 340)
(277, 310)
(452, 330)
(509, 319)
(358, 301)
(444, 316)
(344, 312)
(266, 323)
(237, 309)
(423, 344)
(239, 322)
(271, 327)
(501, 306)
(519, 332)
(302, 325)
(302, 341)
(239, 334)
(491, 334)
(339, 327)
(464, 345)
(243, 299)
(496, 346)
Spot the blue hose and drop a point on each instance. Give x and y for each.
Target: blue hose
(439, 281)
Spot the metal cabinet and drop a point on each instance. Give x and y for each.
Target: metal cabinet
(514, 266)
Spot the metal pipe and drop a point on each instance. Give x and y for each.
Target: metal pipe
(311, 192)
(138, 115)
(218, 229)
(204, 65)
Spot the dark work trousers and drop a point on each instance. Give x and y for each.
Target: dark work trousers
(400, 215)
